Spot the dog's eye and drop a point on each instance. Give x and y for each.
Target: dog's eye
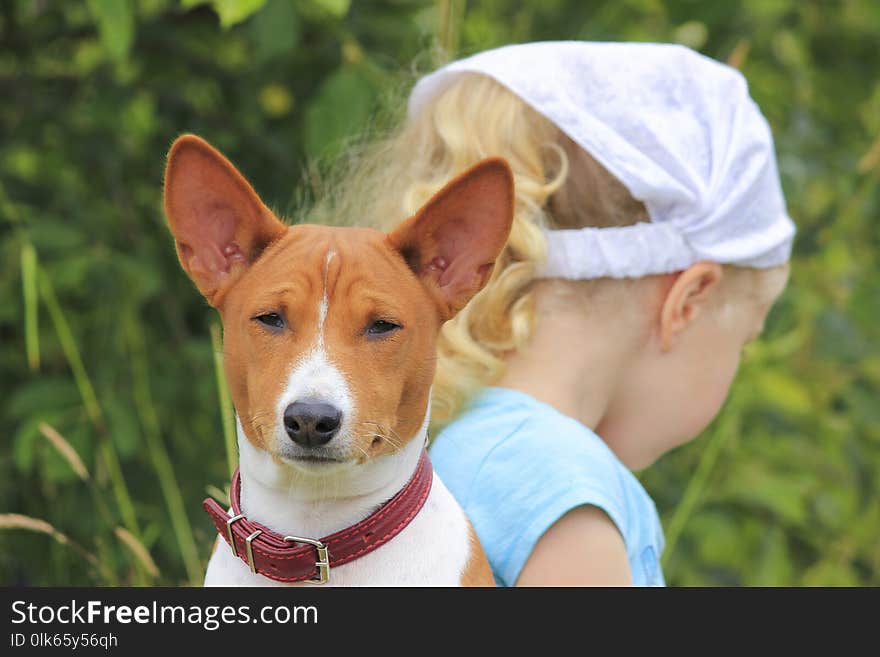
(381, 327)
(273, 320)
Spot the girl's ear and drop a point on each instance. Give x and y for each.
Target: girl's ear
(686, 298)
(219, 223)
(452, 242)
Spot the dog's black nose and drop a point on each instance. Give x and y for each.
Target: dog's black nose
(311, 424)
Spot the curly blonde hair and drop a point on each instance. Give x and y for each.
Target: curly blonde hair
(558, 185)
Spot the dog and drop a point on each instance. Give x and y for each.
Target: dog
(329, 351)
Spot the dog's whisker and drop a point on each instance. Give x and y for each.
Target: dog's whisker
(260, 415)
(380, 432)
(383, 432)
(364, 452)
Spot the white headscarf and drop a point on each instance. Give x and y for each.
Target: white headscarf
(678, 129)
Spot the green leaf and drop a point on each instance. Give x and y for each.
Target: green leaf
(692, 34)
(773, 567)
(45, 394)
(780, 389)
(831, 571)
(338, 8)
(141, 280)
(138, 118)
(717, 545)
(23, 444)
(232, 12)
(116, 26)
(784, 495)
(838, 340)
(321, 10)
(123, 428)
(340, 110)
(69, 273)
(52, 235)
(22, 161)
(275, 30)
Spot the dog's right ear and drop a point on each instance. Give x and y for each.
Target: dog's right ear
(219, 223)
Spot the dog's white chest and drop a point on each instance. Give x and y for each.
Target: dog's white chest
(433, 550)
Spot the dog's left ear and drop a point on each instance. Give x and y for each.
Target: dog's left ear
(452, 242)
(220, 225)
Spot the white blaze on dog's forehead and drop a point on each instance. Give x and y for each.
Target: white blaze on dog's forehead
(325, 301)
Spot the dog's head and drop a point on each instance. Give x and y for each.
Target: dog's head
(329, 333)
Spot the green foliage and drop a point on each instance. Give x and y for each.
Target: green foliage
(104, 339)
(115, 19)
(328, 121)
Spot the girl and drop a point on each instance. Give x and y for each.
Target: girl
(649, 242)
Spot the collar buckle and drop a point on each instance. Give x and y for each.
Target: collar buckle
(323, 562)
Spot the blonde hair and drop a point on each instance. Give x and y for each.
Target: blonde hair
(558, 185)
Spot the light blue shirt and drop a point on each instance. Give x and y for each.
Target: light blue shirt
(516, 465)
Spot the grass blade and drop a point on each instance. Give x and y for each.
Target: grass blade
(220, 495)
(72, 457)
(227, 413)
(450, 14)
(149, 419)
(28, 523)
(106, 449)
(140, 552)
(71, 351)
(66, 450)
(739, 54)
(31, 306)
(18, 521)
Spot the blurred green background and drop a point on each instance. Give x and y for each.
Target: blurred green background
(112, 426)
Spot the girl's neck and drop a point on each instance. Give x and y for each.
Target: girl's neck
(579, 367)
(550, 375)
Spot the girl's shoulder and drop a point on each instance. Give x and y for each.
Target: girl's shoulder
(504, 429)
(517, 465)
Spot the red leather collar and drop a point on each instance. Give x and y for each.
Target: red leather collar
(298, 559)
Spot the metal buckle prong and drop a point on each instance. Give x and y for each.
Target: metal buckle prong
(250, 550)
(229, 532)
(323, 562)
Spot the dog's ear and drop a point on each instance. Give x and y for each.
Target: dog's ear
(452, 242)
(219, 223)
